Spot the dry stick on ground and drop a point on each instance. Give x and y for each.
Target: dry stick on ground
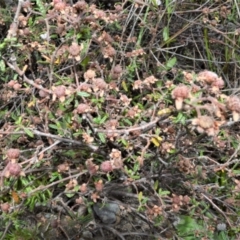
(43, 188)
(144, 151)
(197, 140)
(217, 208)
(12, 32)
(30, 161)
(49, 147)
(111, 229)
(6, 230)
(142, 128)
(141, 234)
(20, 72)
(34, 159)
(38, 133)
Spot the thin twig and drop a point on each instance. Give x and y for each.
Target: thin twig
(216, 207)
(114, 231)
(14, 26)
(40, 87)
(38, 133)
(43, 188)
(49, 147)
(6, 229)
(142, 128)
(20, 72)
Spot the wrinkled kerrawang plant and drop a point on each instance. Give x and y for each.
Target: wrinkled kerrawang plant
(13, 168)
(88, 120)
(203, 95)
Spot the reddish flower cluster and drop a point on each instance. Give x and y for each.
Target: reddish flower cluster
(180, 93)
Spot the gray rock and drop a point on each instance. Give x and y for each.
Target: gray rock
(87, 235)
(107, 212)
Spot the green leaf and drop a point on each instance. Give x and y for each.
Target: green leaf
(102, 137)
(100, 120)
(188, 226)
(163, 193)
(70, 195)
(53, 126)
(165, 33)
(55, 176)
(156, 183)
(171, 62)
(83, 94)
(41, 6)
(85, 62)
(2, 66)
(2, 45)
(28, 132)
(127, 121)
(181, 118)
(124, 85)
(136, 167)
(43, 197)
(123, 141)
(140, 196)
(222, 236)
(103, 120)
(3, 113)
(19, 120)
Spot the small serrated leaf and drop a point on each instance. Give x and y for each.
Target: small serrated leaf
(2, 66)
(127, 121)
(102, 137)
(85, 61)
(103, 120)
(28, 132)
(83, 94)
(53, 126)
(124, 85)
(171, 62)
(165, 33)
(140, 196)
(41, 6)
(69, 195)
